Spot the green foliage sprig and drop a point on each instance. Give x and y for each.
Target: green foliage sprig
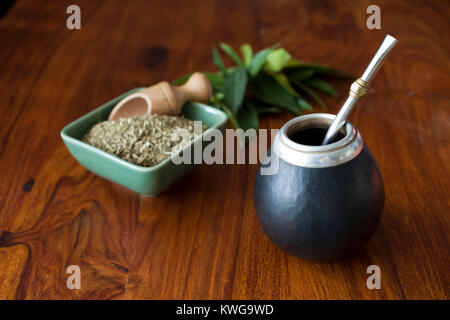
(265, 82)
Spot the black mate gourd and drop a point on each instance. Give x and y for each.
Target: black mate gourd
(324, 200)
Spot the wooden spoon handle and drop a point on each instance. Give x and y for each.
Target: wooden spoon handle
(163, 98)
(197, 88)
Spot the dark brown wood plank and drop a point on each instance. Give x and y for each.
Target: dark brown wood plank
(201, 239)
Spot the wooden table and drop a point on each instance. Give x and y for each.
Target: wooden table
(201, 239)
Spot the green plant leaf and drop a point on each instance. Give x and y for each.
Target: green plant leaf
(232, 54)
(230, 115)
(301, 75)
(304, 104)
(284, 82)
(247, 117)
(276, 60)
(218, 61)
(270, 91)
(293, 63)
(311, 93)
(319, 69)
(247, 53)
(181, 80)
(268, 110)
(235, 87)
(259, 59)
(261, 107)
(219, 96)
(217, 81)
(215, 103)
(322, 86)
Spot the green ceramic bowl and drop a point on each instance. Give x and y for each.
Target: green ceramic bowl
(149, 181)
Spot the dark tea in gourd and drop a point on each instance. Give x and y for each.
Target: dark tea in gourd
(312, 136)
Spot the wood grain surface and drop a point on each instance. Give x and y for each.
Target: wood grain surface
(201, 239)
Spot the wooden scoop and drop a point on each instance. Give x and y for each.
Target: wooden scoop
(163, 98)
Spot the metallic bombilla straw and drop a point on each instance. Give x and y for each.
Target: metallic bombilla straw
(359, 88)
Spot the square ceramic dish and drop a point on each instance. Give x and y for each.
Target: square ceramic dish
(149, 181)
